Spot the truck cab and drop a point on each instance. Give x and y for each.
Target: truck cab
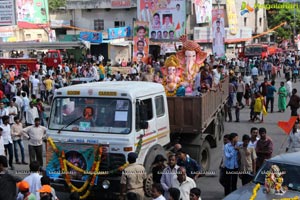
(116, 117)
(53, 58)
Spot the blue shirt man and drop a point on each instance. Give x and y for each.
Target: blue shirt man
(192, 167)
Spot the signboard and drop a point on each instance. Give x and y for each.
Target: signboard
(93, 37)
(119, 32)
(167, 18)
(203, 11)
(140, 41)
(232, 16)
(32, 13)
(120, 3)
(7, 12)
(218, 32)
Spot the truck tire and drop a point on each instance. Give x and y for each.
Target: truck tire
(152, 153)
(205, 156)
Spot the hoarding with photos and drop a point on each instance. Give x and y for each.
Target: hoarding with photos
(7, 13)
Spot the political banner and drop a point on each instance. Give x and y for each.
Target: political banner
(232, 17)
(32, 13)
(7, 13)
(218, 31)
(203, 11)
(93, 37)
(140, 41)
(119, 32)
(167, 18)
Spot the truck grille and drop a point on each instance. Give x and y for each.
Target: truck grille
(112, 161)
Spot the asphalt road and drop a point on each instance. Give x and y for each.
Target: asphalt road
(210, 187)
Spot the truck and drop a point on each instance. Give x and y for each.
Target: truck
(92, 127)
(261, 51)
(52, 58)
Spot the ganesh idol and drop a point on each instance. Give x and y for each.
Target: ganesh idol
(172, 75)
(191, 58)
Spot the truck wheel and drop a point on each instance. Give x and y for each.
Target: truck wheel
(205, 156)
(148, 185)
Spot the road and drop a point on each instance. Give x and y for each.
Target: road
(210, 187)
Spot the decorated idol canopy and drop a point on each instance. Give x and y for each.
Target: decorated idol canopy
(179, 71)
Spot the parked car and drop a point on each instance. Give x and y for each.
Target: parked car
(288, 163)
(82, 80)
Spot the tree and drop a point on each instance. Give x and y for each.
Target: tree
(279, 15)
(55, 4)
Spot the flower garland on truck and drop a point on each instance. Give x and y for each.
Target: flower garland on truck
(90, 182)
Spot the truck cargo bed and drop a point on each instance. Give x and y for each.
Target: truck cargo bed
(193, 114)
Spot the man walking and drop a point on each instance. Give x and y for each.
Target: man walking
(264, 148)
(294, 102)
(7, 140)
(31, 114)
(35, 134)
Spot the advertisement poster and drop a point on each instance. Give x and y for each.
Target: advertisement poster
(7, 12)
(32, 13)
(93, 37)
(203, 11)
(140, 41)
(218, 32)
(120, 3)
(232, 16)
(119, 32)
(167, 18)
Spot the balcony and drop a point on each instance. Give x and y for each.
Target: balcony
(103, 4)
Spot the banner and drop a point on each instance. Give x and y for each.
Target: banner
(140, 41)
(32, 13)
(203, 11)
(218, 32)
(120, 3)
(232, 16)
(7, 12)
(119, 32)
(91, 37)
(167, 18)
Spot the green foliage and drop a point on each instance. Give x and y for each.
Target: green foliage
(277, 16)
(55, 4)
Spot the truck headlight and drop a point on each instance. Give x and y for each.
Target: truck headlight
(105, 184)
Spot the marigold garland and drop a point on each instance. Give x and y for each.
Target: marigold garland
(94, 170)
(255, 189)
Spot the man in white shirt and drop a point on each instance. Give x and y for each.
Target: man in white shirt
(34, 180)
(2, 153)
(31, 114)
(294, 140)
(12, 112)
(3, 112)
(183, 183)
(7, 140)
(168, 174)
(157, 192)
(35, 134)
(35, 84)
(253, 137)
(289, 86)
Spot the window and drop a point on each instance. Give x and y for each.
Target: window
(119, 24)
(39, 35)
(245, 21)
(159, 106)
(260, 21)
(98, 24)
(148, 112)
(28, 36)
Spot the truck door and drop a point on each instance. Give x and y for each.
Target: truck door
(161, 118)
(150, 134)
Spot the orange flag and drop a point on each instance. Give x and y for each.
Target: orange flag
(177, 26)
(287, 126)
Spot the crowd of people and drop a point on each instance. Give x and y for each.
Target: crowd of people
(24, 95)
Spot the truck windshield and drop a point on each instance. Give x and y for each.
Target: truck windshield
(253, 50)
(97, 115)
